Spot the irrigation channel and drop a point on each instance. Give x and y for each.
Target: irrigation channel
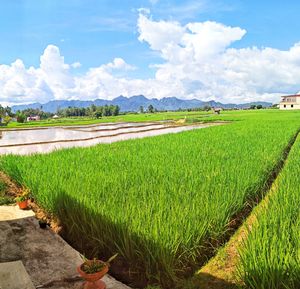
(47, 139)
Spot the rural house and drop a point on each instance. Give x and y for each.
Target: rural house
(290, 102)
(33, 118)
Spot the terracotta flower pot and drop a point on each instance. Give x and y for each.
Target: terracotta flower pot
(93, 280)
(23, 205)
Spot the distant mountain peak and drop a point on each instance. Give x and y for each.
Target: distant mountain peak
(121, 97)
(139, 97)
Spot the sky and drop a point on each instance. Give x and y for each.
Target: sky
(224, 50)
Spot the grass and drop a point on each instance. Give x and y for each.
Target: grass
(270, 257)
(4, 198)
(162, 203)
(121, 118)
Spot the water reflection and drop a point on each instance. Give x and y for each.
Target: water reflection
(22, 137)
(47, 140)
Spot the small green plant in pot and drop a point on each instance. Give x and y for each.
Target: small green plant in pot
(92, 271)
(22, 200)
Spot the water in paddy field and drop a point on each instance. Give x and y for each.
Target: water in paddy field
(44, 140)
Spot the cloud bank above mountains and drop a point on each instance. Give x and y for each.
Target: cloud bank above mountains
(198, 61)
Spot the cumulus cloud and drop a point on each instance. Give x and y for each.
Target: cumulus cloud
(117, 64)
(159, 34)
(198, 62)
(53, 79)
(199, 59)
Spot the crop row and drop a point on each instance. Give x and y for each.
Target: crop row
(270, 258)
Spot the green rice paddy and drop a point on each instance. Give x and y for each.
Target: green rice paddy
(271, 255)
(165, 203)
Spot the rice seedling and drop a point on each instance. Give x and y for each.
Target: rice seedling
(162, 203)
(270, 258)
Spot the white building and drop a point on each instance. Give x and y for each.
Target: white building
(290, 102)
(33, 118)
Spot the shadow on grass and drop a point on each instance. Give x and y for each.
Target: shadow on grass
(140, 262)
(94, 234)
(207, 281)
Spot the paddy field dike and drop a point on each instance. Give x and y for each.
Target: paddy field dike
(167, 204)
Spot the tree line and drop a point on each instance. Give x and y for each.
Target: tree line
(92, 111)
(6, 113)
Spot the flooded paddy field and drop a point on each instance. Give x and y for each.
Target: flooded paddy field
(47, 139)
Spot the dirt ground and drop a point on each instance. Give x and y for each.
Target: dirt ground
(45, 255)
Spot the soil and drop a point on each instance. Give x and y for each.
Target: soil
(12, 189)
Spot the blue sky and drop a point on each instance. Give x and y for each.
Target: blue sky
(95, 32)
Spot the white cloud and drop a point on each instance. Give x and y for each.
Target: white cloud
(159, 34)
(76, 64)
(199, 62)
(117, 64)
(54, 80)
(198, 58)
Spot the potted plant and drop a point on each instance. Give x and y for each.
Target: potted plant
(22, 201)
(92, 271)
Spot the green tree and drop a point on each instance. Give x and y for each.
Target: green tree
(106, 111)
(7, 119)
(141, 109)
(2, 111)
(98, 113)
(93, 111)
(151, 108)
(115, 110)
(206, 108)
(21, 117)
(8, 111)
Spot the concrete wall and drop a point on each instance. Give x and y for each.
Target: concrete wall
(288, 106)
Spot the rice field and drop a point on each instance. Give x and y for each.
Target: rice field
(270, 257)
(163, 203)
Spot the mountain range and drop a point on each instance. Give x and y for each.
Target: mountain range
(134, 103)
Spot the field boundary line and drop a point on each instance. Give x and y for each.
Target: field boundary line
(116, 128)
